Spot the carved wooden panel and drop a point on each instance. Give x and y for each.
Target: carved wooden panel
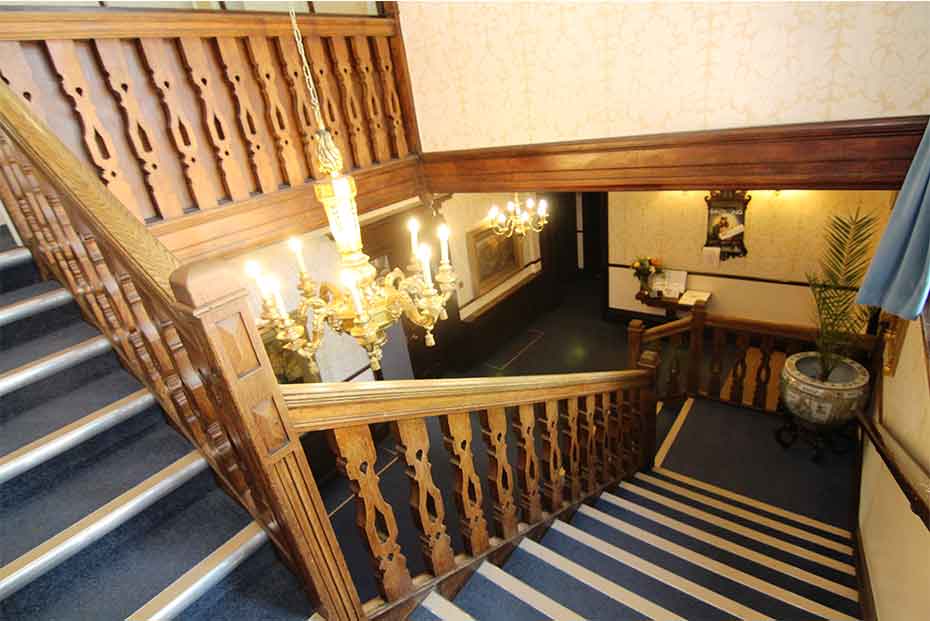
(763, 372)
(468, 497)
(371, 99)
(275, 112)
(300, 100)
(588, 434)
(572, 440)
(524, 425)
(552, 467)
(354, 117)
(602, 422)
(235, 67)
(139, 128)
(739, 369)
(392, 105)
(18, 76)
(96, 135)
(328, 92)
(716, 363)
(219, 127)
(429, 514)
(373, 515)
(494, 432)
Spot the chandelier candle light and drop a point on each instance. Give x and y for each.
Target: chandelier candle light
(362, 304)
(518, 218)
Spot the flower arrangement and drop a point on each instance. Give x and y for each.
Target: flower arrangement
(643, 269)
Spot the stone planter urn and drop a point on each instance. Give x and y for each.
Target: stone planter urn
(830, 403)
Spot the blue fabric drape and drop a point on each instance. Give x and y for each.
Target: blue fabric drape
(898, 279)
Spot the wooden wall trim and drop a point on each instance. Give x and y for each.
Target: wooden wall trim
(81, 23)
(266, 218)
(856, 154)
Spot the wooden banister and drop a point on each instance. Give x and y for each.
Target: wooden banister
(315, 407)
(679, 326)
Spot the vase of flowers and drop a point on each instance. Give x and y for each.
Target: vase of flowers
(644, 268)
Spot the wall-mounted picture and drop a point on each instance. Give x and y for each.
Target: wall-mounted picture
(726, 222)
(492, 258)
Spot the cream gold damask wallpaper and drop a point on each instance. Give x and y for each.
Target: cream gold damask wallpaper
(491, 74)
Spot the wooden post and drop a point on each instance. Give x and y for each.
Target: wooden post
(634, 336)
(647, 410)
(695, 357)
(216, 322)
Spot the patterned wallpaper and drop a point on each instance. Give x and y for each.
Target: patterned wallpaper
(784, 230)
(512, 73)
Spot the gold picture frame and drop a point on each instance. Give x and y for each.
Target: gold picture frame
(492, 259)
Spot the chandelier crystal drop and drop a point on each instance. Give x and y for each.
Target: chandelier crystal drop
(517, 218)
(362, 304)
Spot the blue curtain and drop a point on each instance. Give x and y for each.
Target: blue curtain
(898, 279)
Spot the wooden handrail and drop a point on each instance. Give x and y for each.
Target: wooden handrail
(92, 23)
(670, 328)
(315, 407)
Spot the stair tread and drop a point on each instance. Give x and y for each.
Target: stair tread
(46, 345)
(435, 607)
(6, 239)
(54, 495)
(486, 600)
(24, 293)
(730, 582)
(167, 539)
(261, 587)
(20, 427)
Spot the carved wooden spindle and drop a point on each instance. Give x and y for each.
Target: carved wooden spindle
(354, 116)
(635, 341)
(616, 399)
(494, 432)
(373, 515)
(696, 350)
(738, 374)
(588, 433)
(267, 72)
(237, 185)
(329, 97)
(716, 363)
(429, 514)
(300, 98)
(159, 59)
(235, 68)
(96, 136)
(764, 372)
(524, 425)
(552, 466)
(602, 424)
(391, 99)
(468, 497)
(643, 411)
(371, 98)
(123, 85)
(573, 449)
(673, 388)
(216, 317)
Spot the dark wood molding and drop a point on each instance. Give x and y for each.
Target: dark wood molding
(225, 231)
(866, 597)
(856, 154)
(404, 86)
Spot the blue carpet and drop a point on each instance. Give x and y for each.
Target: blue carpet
(48, 343)
(761, 571)
(29, 328)
(262, 587)
(422, 614)
(51, 497)
(735, 449)
(135, 562)
(483, 599)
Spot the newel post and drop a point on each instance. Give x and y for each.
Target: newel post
(696, 354)
(227, 349)
(634, 338)
(649, 361)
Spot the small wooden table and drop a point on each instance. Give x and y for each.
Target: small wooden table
(671, 305)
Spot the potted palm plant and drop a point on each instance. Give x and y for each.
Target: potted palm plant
(826, 387)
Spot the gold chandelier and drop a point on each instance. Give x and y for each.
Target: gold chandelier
(518, 217)
(362, 304)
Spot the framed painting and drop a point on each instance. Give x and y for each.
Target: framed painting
(726, 222)
(492, 258)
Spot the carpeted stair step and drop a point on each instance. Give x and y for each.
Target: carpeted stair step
(145, 553)
(767, 599)
(435, 607)
(17, 269)
(746, 535)
(59, 352)
(65, 490)
(751, 561)
(31, 311)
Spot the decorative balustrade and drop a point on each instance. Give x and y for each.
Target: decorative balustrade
(199, 123)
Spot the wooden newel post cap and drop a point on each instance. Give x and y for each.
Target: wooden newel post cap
(649, 359)
(205, 282)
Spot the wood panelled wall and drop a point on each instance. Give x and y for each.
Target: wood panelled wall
(200, 123)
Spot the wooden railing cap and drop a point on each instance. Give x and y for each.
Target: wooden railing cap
(204, 283)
